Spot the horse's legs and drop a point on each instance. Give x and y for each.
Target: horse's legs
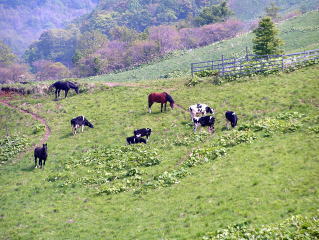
(40, 162)
(56, 93)
(66, 93)
(165, 107)
(43, 163)
(149, 107)
(35, 162)
(161, 107)
(82, 127)
(59, 90)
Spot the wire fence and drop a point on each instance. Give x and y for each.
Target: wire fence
(254, 63)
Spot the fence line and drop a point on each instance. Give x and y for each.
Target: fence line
(254, 63)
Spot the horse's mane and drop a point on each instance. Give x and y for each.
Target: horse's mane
(72, 85)
(169, 98)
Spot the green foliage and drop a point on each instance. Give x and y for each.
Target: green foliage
(193, 81)
(88, 43)
(38, 128)
(272, 11)
(296, 227)
(56, 45)
(10, 146)
(207, 73)
(213, 14)
(109, 169)
(266, 41)
(6, 54)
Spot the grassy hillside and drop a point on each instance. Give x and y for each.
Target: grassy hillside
(267, 175)
(300, 33)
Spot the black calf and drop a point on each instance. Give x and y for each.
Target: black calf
(42, 154)
(134, 140)
(143, 132)
(231, 118)
(80, 121)
(206, 121)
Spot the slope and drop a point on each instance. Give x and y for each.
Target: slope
(260, 181)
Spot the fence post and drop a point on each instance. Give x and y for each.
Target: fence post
(192, 69)
(246, 53)
(282, 63)
(223, 65)
(212, 64)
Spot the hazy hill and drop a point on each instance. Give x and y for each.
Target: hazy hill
(250, 9)
(22, 22)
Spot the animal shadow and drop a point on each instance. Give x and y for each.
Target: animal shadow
(67, 135)
(28, 169)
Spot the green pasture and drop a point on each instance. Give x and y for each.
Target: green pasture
(259, 182)
(299, 34)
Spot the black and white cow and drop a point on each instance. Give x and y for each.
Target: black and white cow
(143, 132)
(134, 140)
(80, 121)
(231, 118)
(205, 121)
(202, 109)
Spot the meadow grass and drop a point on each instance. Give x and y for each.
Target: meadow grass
(262, 182)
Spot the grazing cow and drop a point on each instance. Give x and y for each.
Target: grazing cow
(205, 121)
(143, 132)
(65, 86)
(202, 109)
(134, 140)
(80, 121)
(42, 154)
(161, 98)
(231, 118)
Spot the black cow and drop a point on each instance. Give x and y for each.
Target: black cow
(231, 118)
(205, 121)
(134, 140)
(143, 132)
(42, 154)
(80, 121)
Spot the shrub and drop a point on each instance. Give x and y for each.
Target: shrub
(296, 227)
(10, 146)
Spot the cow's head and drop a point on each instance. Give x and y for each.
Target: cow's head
(210, 110)
(87, 123)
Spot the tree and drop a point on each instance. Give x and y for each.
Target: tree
(88, 43)
(213, 14)
(47, 70)
(6, 54)
(272, 11)
(266, 41)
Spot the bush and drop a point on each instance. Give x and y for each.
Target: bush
(296, 227)
(10, 146)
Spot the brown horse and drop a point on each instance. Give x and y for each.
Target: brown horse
(162, 98)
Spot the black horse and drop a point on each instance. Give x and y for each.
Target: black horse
(59, 85)
(41, 154)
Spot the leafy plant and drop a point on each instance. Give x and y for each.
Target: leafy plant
(10, 146)
(296, 227)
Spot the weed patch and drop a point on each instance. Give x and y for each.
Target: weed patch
(296, 227)
(10, 146)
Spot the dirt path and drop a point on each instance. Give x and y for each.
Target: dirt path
(34, 116)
